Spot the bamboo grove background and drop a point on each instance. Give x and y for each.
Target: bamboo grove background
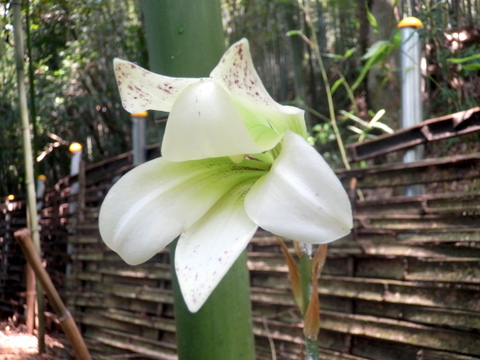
(73, 95)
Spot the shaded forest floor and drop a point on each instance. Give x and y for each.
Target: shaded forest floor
(16, 344)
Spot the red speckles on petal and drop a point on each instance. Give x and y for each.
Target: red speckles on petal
(164, 88)
(236, 71)
(142, 90)
(240, 51)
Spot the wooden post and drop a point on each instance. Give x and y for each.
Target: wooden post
(31, 294)
(64, 317)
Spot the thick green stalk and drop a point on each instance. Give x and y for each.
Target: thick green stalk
(185, 38)
(28, 157)
(222, 328)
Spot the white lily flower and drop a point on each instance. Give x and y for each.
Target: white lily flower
(231, 106)
(233, 160)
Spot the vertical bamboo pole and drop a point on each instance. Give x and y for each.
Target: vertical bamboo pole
(191, 44)
(29, 172)
(31, 82)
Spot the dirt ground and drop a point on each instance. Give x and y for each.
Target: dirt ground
(16, 344)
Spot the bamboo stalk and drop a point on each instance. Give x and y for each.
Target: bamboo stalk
(27, 149)
(222, 328)
(65, 318)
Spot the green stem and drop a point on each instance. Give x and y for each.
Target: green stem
(311, 349)
(311, 345)
(313, 43)
(306, 276)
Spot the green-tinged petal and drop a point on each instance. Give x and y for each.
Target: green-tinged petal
(205, 123)
(268, 125)
(208, 249)
(237, 73)
(142, 90)
(301, 198)
(155, 202)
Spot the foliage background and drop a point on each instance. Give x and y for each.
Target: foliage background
(73, 94)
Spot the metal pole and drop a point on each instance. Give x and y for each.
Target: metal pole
(76, 150)
(412, 113)
(138, 137)
(41, 186)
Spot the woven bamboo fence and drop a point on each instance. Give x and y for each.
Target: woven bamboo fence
(405, 285)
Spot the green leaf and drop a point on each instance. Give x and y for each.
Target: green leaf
(375, 54)
(355, 130)
(387, 129)
(336, 84)
(294, 32)
(354, 118)
(465, 59)
(372, 20)
(332, 56)
(346, 55)
(377, 116)
(349, 53)
(471, 67)
(397, 38)
(376, 49)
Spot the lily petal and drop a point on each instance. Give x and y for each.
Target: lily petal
(205, 123)
(236, 71)
(155, 202)
(209, 248)
(142, 90)
(301, 198)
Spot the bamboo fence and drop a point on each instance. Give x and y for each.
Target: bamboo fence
(405, 285)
